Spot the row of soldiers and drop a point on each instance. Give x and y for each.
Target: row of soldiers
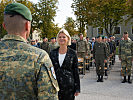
(101, 50)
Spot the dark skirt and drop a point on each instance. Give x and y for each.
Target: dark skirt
(66, 95)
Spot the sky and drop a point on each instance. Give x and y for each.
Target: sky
(64, 11)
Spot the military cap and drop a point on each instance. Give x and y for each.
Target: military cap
(125, 32)
(18, 9)
(105, 37)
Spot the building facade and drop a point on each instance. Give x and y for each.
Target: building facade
(118, 30)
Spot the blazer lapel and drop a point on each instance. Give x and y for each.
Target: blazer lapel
(57, 57)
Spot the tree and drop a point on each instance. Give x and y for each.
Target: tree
(102, 13)
(80, 18)
(70, 26)
(45, 11)
(2, 6)
(130, 10)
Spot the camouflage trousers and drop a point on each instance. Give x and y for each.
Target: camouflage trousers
(126, 67)
(81, 54)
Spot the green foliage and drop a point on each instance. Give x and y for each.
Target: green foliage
(130, 11)
(78, 9)
(101, 13)
(2, 6)
(44, 14)
(70, 26)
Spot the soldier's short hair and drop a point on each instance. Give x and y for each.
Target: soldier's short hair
(14, 24)
(52, 38)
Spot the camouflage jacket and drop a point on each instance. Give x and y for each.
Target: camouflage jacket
(26, 72)
(45, 46)
(126, 49)
(52, 46)
(82, 46)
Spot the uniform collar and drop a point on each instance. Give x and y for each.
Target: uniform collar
(14, 37)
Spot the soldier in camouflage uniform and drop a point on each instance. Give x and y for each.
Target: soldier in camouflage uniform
(53, 44)
(100, 57)
(82, 48)
(45, 45)
(126, 56)
(26, 72)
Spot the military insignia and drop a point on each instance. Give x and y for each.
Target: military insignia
(53, 72)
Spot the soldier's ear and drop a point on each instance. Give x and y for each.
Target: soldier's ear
(4, 26)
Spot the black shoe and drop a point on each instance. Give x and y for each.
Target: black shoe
(124, 81)
(101, 80)
(129, 81)
(98, 80)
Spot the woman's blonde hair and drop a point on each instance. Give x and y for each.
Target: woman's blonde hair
(66, 33)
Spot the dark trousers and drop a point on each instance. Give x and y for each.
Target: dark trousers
(99, 65)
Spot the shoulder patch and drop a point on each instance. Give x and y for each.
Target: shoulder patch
(53, 72)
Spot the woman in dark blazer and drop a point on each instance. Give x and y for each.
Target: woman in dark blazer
(65, 64)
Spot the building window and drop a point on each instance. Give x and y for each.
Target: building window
(132, 29)
(117, 30)
(100, 31)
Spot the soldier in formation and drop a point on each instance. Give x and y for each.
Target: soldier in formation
(82, 49)
(100, 57)
(45, 45)
(26, 72)
(126, 57)
(53, 44)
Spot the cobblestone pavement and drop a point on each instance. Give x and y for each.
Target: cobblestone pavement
(110, 89)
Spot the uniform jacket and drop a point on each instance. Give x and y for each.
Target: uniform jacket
(52, 46)
(45, 46)
(26, 72)
(126, 49)
(82, 46)
(67, 74)
(99, 50)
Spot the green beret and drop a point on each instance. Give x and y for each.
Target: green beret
(18, 9)
(98, 36)
(103, 37)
